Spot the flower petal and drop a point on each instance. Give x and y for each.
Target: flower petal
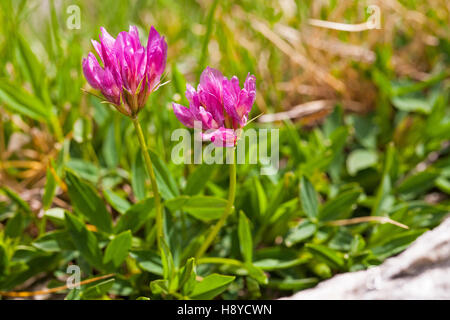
(92, 71)
(107, 39)
(222, 137)
(211, 82)
(109, 88)
(110, 62)
(133, 35)
(210, 92)
(184, 115)
(250, 83)
(156, 55)
(231, 92)
(193, 98)
(238, 103)
(247, 98)
(208, 121)
(98, 49)
(212, 104)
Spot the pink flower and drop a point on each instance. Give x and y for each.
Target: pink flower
(220, 105)
(129, 72)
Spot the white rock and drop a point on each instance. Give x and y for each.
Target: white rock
(420, 272)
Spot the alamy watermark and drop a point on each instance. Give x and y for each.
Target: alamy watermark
(73, 282)
(74, 19)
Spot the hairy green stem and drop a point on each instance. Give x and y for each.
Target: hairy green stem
(228, 209)
(151, 173)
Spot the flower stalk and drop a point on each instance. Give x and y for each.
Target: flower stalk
(151, 173)
(129, 72)
(228, 209)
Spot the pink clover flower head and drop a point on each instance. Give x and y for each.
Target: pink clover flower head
(220, 105)
(128, 71)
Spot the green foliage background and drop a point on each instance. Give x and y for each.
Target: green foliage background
(74, 188)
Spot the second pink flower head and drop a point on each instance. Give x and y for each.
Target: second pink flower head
(219, 105)
(129, 71)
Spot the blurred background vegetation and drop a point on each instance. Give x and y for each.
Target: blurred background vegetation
(364, 115)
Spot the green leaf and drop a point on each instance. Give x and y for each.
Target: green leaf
(204, 208)
(383, 199)
(187, 277)
(270, 264)
(84, 240)
(443, 184)
(16, 225)
(384, 189)
(84, 169)
(4, 260)
(396, 243)
(341, 240)
(357, 245)
(360, 159)
(159, 286)
(117, 249)
(49, 191)
(320, 269)
(338, 139)
(412, 103)
(260, 197)
(418, 183)
(302, 232)
(166, 183)
(117, 202)
(30, 65)
(293, 284)
(245, 238)
(87, 202)
(333, 121)
(283, 210)
(55, 241)
(20, 219)
(56, 215)
(365, 131)
(256, 273)
(340, 206)
(294, 141)
(211, 286)
(278, 195)
(97, 290)
(177, 203)
(136, 216)
(198, 179)
(308, 197)
(330, 256)
(411, 87)
(55, 48)
(16, 199)
(167, 261)
(35, 264)
(148, 261)
(109, 150)
(253, 288)
(20, 101)
(138, 176)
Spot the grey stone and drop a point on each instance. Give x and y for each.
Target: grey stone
(421, 272)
